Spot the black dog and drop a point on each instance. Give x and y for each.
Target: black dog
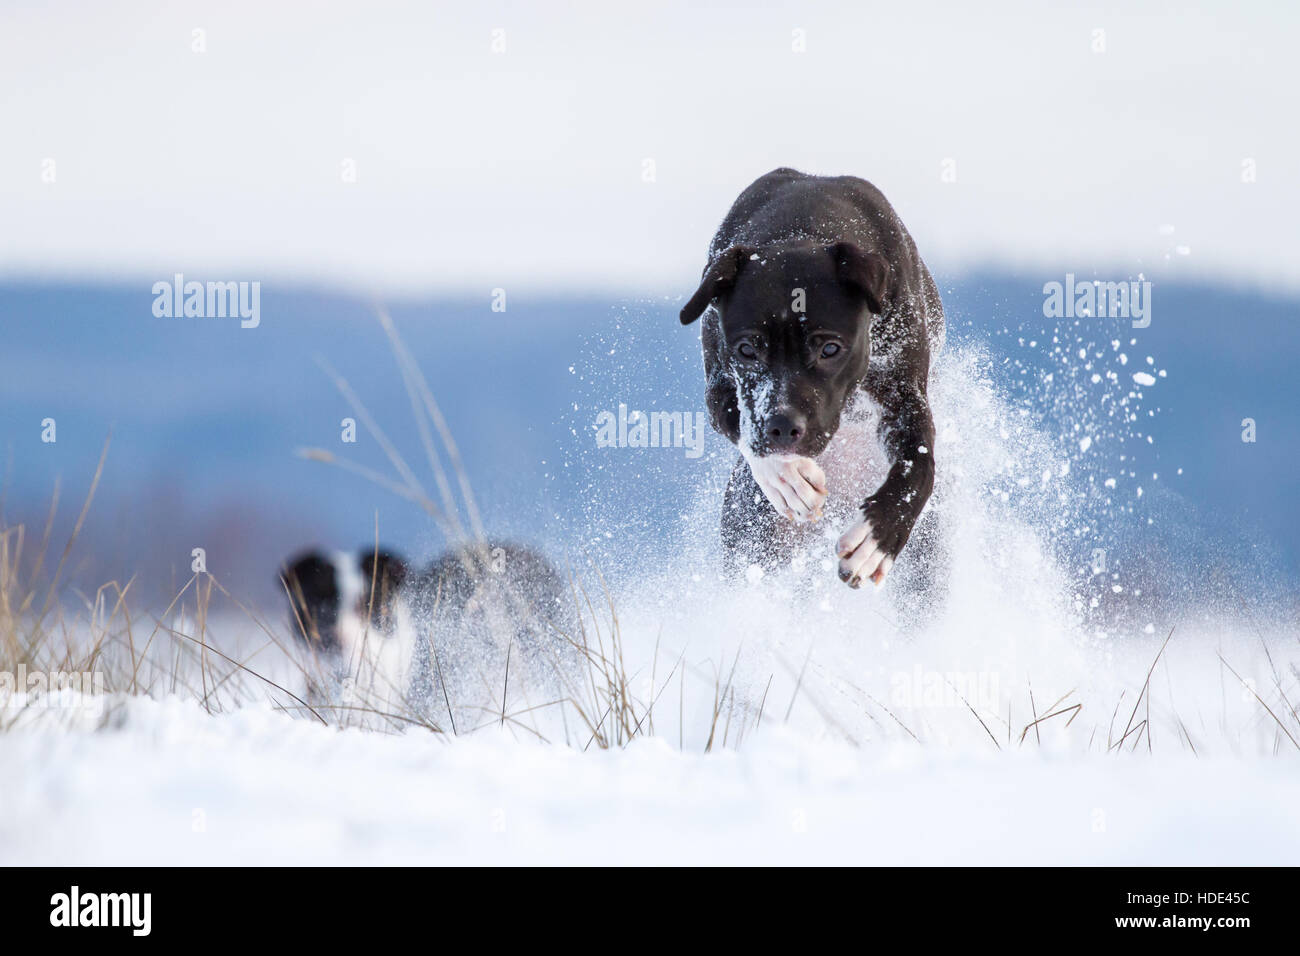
(813, 295)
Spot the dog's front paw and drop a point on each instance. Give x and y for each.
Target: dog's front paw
(868, 548)
(795, 486)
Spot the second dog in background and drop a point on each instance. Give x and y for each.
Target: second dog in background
(438, 641)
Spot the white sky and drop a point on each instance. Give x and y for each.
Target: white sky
(524, 169)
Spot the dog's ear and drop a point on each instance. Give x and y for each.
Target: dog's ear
(718, 278)
(308, 575)
(866, 272)
(386, 568)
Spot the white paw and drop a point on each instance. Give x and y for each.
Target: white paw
(795, 486)
(860, 556)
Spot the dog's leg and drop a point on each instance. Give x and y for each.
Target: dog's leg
(752, 531)
(923, 571)
(869, 547)
(795, 486)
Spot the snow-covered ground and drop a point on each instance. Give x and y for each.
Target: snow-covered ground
(169, 784)
(838, 739)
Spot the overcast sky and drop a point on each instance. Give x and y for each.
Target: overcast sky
(531, 168)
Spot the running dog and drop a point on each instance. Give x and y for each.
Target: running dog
(813, 297)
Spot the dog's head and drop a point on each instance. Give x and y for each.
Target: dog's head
(325, 591)
(794, 336)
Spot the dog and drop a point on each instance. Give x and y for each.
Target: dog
(388, 634)
(813, 297)
(334, 598)
(495, 614)
(347, 609)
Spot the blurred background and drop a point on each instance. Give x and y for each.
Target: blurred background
(571, 161)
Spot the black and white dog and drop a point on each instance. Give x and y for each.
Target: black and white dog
(814, 297)
(349, 609)
(383, 633)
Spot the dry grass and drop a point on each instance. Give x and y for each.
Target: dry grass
(199, 647)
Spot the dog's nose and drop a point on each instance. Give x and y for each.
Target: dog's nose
(785, 428)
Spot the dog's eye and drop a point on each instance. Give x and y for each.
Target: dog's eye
(746, 350)
(830, 349)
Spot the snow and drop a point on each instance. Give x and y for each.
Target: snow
(258, 786)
